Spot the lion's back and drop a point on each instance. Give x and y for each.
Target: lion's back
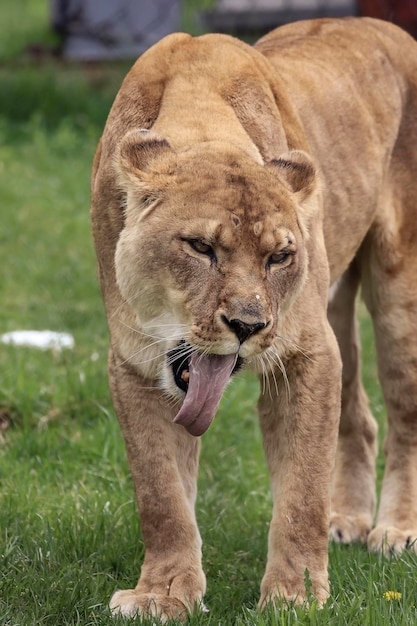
(353, 82)
(342, 41)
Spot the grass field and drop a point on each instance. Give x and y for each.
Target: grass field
(69, 532)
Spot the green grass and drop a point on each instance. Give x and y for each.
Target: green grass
(69, 531)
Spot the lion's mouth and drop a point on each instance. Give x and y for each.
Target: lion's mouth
(203, 378)
(180, 365)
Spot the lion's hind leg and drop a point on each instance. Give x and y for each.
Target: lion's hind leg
(353, 488)
(390, 292)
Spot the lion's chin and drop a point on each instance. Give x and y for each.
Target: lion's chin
(203, 378)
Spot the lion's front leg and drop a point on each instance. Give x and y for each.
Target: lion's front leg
(300, 434)
(163, 459)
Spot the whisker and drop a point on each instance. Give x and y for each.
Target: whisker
(174, 336)
(150, 388)
(160, 354)
(185, 352)
(157, 340)
(120, 307)
(168, 325)
(138, 352)
(146, 347)
(272, 364)
(130, 359)
(276, 359)
(203, 354)
(265, 378)
(171, 400)
(293, 343)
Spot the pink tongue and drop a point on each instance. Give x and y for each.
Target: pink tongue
(209, 375)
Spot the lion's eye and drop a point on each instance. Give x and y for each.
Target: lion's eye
(280, 258)
(201, 247)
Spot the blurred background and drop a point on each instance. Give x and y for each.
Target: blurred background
(103, 29)
(108, 29)
(115, 29)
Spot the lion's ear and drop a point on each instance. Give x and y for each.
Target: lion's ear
(298, 171)
(144, 163)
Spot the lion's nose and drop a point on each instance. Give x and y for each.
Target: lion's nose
(242, 329)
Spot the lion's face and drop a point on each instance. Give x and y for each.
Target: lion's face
(211, 256)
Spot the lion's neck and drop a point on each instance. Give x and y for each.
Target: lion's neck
(191, 124)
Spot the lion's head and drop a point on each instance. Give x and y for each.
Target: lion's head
(212, 254)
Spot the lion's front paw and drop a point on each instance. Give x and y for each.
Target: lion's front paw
(349, 528)
(392, 541)
(285, 590)
(130, 603)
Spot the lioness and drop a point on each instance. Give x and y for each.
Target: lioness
(232, 186)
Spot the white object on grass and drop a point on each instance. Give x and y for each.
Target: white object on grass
(42, 339)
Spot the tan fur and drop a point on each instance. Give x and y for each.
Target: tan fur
(238, 183)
